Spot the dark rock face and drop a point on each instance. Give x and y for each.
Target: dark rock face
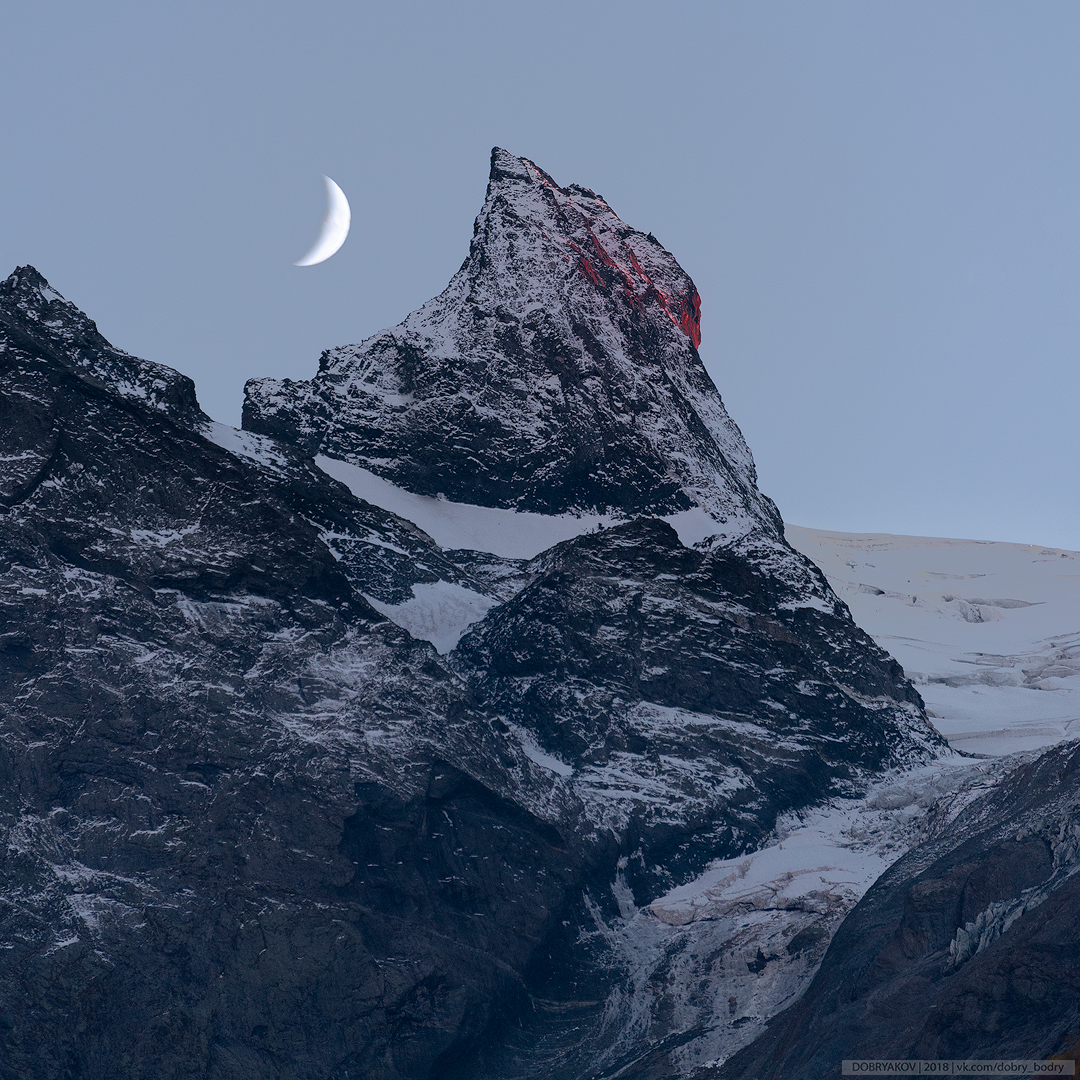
(36, 317)
(968, 947)
(654, 674)
(253, 828)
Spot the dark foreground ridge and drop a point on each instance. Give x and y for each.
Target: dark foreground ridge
(255, 830)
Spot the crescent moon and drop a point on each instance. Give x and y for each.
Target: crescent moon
(335, 226)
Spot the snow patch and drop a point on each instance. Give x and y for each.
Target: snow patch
(510, 534)
(988, 632)
(439, 612)
(507, 533)
(540, 757)
(246, 444)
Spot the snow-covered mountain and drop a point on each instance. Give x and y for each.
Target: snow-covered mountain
(558, 371)
(378, 738)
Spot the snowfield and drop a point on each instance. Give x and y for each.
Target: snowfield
(988, 632)
(510, 534)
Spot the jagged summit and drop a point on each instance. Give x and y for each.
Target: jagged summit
(608, 253)
(35, 317)
(557, 372)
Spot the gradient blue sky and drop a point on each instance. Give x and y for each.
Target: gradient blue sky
(879, 201)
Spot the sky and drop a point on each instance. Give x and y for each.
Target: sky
(879, 201)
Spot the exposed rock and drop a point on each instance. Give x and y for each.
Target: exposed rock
(36, 317)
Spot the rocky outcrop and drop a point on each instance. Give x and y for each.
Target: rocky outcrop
(253, 828)
(671, 689)
(36, 318)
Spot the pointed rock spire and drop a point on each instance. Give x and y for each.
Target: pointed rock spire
(557, 372)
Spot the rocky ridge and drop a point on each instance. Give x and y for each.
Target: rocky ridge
(255, 828)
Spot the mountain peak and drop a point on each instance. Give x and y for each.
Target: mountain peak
(25, 277)
(27, 290)
(507, 166)
(586, 231)
(35, 318)
(557, 372)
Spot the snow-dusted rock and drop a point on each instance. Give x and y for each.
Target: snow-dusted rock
(558, 371)
(965, 948)
(33, 315)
